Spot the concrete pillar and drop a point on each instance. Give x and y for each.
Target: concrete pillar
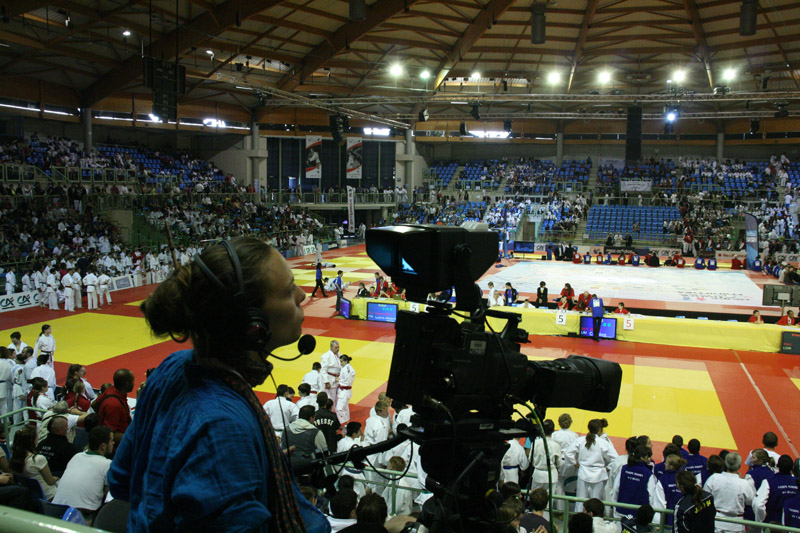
(254, 145)
(559, 148)
(86, 120)
(720, 145)
(409, 174)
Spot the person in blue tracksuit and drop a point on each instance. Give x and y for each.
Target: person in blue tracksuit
(596, 305)
(636, 483)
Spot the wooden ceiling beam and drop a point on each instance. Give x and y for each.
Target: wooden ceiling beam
(583, 33)
(350, 32)
(406, 42)
(482, 23)
(13, 8)
(700, 37)
(195, 32)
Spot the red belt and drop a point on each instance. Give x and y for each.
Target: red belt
(314, 392)
(344, 387)
(334, 375)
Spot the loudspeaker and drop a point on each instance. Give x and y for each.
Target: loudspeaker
(462, 129)
(633, 135)
(338, 128)
(507, 126)
(755, 125)
(538, 23)
(423, 115)
(358, 10)
(748, 17)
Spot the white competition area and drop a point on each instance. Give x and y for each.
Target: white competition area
(663, 284)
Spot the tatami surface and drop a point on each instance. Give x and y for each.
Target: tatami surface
(725, 398)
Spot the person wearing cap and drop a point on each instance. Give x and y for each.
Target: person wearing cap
(346, 378)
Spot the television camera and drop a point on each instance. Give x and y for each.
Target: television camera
(462, 381)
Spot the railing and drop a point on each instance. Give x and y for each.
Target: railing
(8, 419)
(16, 521)
(15, 173)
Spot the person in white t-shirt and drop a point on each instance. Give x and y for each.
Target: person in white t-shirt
(314, 380)
(281, 410)
(83, 485)
(304, 390)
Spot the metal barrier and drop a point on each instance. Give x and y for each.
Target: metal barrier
(16, 521)
(7, 420)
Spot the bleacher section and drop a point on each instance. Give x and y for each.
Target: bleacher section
(605, 219)
(482, 175)
(443, 172)
(162, 168)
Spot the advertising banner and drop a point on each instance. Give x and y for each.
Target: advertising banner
(314, 157)
(354, 158)
(351, 209)
(18, 300)
(751, 238)
(635, 186)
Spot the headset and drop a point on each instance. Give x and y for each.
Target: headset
(256, 332)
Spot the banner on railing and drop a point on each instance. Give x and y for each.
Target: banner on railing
(121, 282)
(309, 249)
(751, 238)
(18, 300)
(313, 157)
(351, 209)
(635, 186)
(354, 158)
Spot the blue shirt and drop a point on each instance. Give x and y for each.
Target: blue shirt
(319, 273)
(338, 283)
(194, 458)
(597, 307)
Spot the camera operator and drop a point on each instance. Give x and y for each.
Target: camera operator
(200, 431)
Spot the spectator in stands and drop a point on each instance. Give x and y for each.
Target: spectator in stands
(756, 318)
(326, 420)
(580, 523)
(591, 455)
(371, 514)
(531, 521)
(112, 406)
(770, 442)
(760, 471)
(667, 492)
(730, 492)
(303, 435)
(669, 449)
(83, 485)
(281, 410)
(25, 461)
(695, 511)
(641, 523)
(401, 498)
(774, 492)
(256, 488)
(55, 447)
(636, 483)
(342, 509)
(539, 459)
(696, 463)
(595, 508)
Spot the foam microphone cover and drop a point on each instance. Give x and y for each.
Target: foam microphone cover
(306, 344)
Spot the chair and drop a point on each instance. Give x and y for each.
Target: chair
(113, 516)
(53, 509)
(32, 485)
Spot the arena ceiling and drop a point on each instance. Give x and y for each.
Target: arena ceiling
(259, 54)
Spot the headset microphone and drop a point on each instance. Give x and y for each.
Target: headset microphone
(305, 346)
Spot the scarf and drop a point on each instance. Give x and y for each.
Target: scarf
(280, 491)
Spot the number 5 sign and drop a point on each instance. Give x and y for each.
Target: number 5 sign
(561, 318)
(627, 323)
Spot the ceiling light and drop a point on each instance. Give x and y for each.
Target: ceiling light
(396, 70)
(475, 75)
(210, 52)
(126, 33)
(604, 76)
(425, 74)
(553, 78)
(729, 74)
(671, 116)
(679, 76)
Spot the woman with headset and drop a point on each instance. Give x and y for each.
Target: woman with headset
(201, 452)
